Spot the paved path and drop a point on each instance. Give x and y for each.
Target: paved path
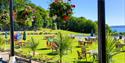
(5, 56)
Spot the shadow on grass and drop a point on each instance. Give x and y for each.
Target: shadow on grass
(52, 53)
(44, 49)
(78, 46)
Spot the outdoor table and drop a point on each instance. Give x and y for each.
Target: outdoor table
(91, 38)
(87, 42)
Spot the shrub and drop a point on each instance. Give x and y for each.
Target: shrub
(1, 44)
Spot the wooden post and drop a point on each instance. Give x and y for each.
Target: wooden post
(12, 27)
(101, 31)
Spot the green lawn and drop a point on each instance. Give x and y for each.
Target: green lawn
(70, 57)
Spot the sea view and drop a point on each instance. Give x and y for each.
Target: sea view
(118, 28)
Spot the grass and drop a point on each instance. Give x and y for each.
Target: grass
(71, 56)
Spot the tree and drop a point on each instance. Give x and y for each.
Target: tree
(61, 10)
(108, 28)
(4, 6)
(81, 24)
(4, 20)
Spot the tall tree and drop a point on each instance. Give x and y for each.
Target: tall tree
(4, 5)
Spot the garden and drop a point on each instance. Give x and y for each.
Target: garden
(66, 46)
(55, 35)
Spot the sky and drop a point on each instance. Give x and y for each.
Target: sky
(115, 10)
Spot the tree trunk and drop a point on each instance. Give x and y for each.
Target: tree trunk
(60, 56)
(60, 59)
(33, 53)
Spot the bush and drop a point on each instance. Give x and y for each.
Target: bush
(1, 43)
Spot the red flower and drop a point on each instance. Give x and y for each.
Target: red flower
(65, 17)
(73, 6)
(55, 0)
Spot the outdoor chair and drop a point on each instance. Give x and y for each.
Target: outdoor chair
(94, 55)
(89, 42)
(80, 42)
(120, 46)
(54, 46)
(81, 55)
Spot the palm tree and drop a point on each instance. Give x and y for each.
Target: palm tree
(64, 43)
(33, 45)
(111, 49)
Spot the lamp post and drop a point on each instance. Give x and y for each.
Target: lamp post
(12, 27)
(101, 31)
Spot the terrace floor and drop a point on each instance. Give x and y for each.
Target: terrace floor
(5, 57)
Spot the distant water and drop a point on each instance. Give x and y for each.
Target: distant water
(118, 28)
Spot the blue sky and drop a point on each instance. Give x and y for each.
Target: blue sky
(115, 10)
